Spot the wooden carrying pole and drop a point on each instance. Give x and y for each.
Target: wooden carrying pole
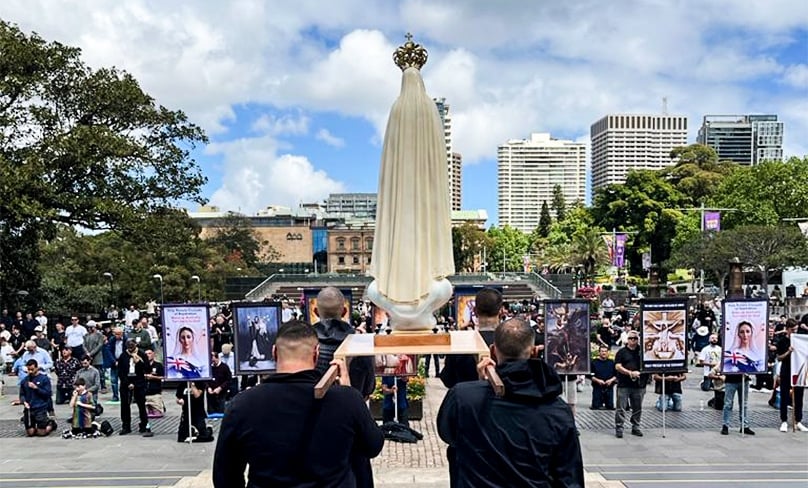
(495, 381)
(326, 381)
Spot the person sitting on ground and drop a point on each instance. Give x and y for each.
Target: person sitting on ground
(36, 396)
(279, 429)
(525, 438)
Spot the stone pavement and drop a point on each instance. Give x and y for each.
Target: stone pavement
(691, 453)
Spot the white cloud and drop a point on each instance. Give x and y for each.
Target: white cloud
(506, 68)
(330, 139)
(255, 176)
(796, 75)
(283, 125)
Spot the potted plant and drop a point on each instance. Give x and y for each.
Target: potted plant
(416, 391)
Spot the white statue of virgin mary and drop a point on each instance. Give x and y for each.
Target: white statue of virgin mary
(412, 247)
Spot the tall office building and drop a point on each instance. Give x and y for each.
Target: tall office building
(354, 204)
(527, 171)
(453, 160)
(621, 143)
(744, 139)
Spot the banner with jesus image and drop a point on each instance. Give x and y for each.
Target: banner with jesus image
(745, 336)
(663, 335)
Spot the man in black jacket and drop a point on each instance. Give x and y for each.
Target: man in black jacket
(525, 438)
(281, 431)
(331, 331)
(132, 367)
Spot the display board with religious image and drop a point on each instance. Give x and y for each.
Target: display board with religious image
(310, 304)
(255, 325)
(745, 336)
(663, 335)
(186, 342)
(566, 336)
(380, 318)
(464, 298)
(397, 365)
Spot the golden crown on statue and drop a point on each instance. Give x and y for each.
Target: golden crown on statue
(410, 55)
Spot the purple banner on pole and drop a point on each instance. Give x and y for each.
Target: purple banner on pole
(619, 250)
(712, 221)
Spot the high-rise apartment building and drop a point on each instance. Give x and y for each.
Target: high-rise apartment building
(527, 171)
(621, 143)
(453, 160)
(354, 204)
(456, 179)
(744, 139)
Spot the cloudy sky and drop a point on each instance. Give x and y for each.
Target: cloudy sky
(295, 94)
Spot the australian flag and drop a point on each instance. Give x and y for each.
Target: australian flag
(182, 366)
(740, 362)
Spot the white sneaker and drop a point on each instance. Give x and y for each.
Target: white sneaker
(784, 427)
(801, 427)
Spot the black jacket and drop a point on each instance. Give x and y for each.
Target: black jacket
(290, 439)
(458, 368)
(330, 334)
(525, 439)
(141, 367)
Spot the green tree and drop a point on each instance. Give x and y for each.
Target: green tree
(698, 172)
(468, 243)
(765, 194)
(646, 204)
(509, 246)
(559, 205)
(79, 147)
(769, 248)
(545, 221)
(237, 238)
(588, 250)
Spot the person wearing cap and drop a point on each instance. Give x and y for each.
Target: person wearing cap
(709, 357)
(41, 341)
(630, 385)
(93, 347)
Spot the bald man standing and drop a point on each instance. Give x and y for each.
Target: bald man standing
(331, 331)
(285, 435)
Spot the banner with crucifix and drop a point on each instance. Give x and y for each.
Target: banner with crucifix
(663, 335)
(744, 323)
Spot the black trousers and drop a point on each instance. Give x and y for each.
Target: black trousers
(138, 394)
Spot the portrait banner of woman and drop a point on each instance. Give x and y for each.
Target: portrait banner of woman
(255, 325)
(745, 336)
(186, 342)
(566, 336)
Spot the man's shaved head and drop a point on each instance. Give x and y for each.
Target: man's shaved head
(330, 303)
(296, 340)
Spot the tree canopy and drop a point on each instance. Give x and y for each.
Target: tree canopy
(80, 146)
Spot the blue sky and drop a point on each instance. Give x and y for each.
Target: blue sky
(294, 95)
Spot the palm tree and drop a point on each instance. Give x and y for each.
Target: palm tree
(588, 250)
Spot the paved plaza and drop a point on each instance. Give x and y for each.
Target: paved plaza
(692, 453)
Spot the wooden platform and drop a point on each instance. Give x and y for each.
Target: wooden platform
(460, 342)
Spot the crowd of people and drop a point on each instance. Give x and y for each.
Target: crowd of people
(88, 358)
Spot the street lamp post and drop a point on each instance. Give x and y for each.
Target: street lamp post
(111, 287)
(159, 277)
(198, 286)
